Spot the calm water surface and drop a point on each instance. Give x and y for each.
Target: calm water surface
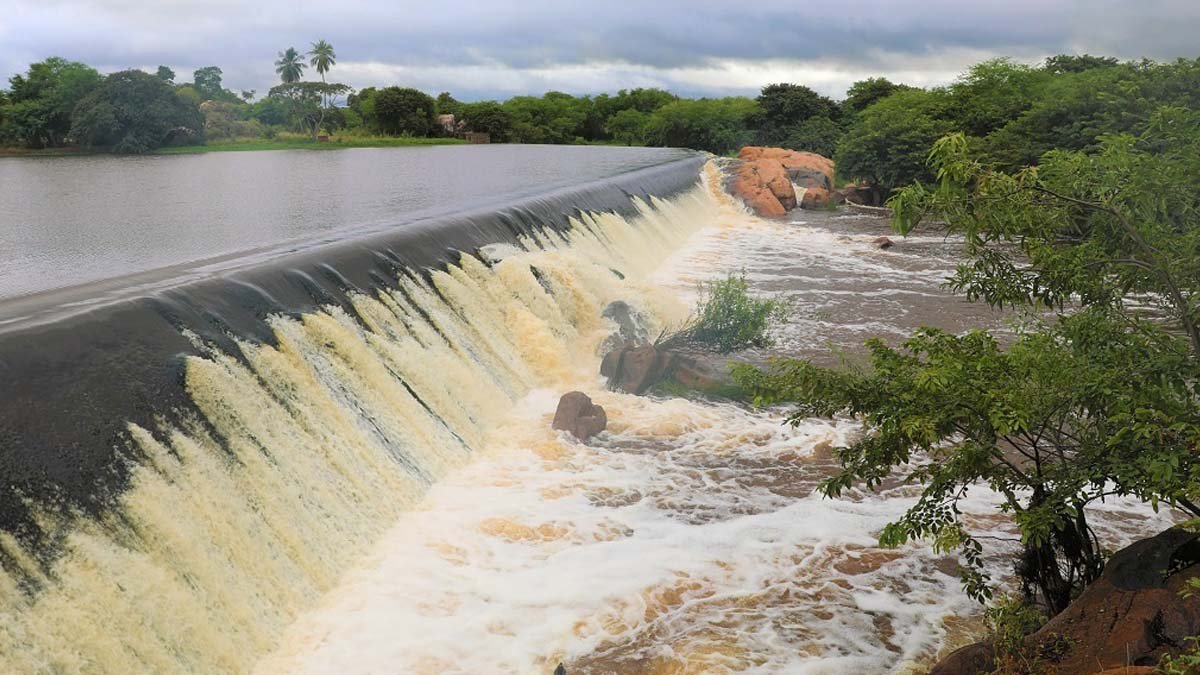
(76, 220)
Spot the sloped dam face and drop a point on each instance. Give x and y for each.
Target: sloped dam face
(289, 412)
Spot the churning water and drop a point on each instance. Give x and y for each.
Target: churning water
(374, 486)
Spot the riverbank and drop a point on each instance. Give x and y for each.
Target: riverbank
(244, 145)
(334, 143)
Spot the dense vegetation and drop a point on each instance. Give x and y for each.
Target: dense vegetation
(880, 133)
(1096, 245)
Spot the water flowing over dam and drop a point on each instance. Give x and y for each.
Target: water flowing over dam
(325, 446)
(188, 468)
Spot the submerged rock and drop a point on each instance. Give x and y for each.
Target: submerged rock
(578, 415)
(632, 327)
(883, 242)
(634, 369)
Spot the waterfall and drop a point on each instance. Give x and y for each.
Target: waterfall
(287, 437)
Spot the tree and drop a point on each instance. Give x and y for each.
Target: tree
(165, 74)
(889, 143)
(225, 120)
(403, 112)
(554, 117)
(993, 93)
(289, 66)
(863, 93)
(488, 117)
(323, 58)
(720, 125)
(304, 103)
(1076, 109)
(629, 126)
(207, 82)
(134, 112)
(816, 134)
(1100, 398)
(42, 100)
(1069, 63)
(447, 104)
(785, 106)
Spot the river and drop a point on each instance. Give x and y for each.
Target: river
(332, 451)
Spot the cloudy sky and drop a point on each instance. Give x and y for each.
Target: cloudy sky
(480, 49)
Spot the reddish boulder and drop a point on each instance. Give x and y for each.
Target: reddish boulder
(815, 198)
(800, 166)
(1133, 614)
(1128, 618)
(767, 177)
(765, 187)
(578, 415)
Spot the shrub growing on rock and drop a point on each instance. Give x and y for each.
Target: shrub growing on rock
(727, 318)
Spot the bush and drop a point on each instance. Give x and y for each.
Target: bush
(727, 318)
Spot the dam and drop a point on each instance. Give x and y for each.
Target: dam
(289, 412)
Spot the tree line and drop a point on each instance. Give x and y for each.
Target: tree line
(879, 133)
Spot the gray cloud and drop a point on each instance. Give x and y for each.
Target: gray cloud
(477, 48)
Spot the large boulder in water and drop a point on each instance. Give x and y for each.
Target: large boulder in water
(1131, 616)
(765, 187)
(806, 169)
(580, 417)
(766, 179)
(634, 370)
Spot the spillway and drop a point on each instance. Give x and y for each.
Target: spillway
(193, 455)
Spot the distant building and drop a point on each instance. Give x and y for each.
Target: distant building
(447, 123)
(477, 137)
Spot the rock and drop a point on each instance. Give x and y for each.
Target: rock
(767, 178)
(634, 370)
(974, 659)
(765, 187)
(801, 167)
(1124, 622)
(704, 375)
(862, 195)
(1133, 614)
(578, 415)
(815, 198)
(631, 325)
(883, 242)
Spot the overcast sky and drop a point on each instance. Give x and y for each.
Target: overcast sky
(478, 49)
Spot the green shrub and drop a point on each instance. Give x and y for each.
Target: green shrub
(728, 318)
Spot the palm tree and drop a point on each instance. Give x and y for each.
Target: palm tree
(323, 57)
(290, 65)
